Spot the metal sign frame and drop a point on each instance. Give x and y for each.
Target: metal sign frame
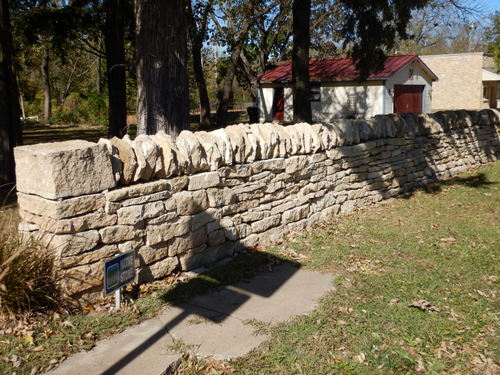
(118, 272)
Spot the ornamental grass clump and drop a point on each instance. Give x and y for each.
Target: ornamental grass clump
(26, 273)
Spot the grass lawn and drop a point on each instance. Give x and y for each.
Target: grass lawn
(440, 245)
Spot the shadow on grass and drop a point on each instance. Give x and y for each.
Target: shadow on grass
(476, 181)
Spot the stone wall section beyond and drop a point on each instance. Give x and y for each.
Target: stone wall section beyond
(190, 202)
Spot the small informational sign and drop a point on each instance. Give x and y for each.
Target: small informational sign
(119, 271)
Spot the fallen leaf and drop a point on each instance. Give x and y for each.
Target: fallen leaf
(424, 305)
(360, 358)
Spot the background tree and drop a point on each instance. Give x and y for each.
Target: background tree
(197, 26)
(10, 127)
(162, 82)
(233, 20)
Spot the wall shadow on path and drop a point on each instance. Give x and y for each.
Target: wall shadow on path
(217, 283)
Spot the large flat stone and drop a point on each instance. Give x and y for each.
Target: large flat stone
(60, 209)
(63, 169)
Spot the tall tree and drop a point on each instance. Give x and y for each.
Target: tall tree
(300, 61)
(162, 95)
(114, 39)
(197, 34)
(10, 126)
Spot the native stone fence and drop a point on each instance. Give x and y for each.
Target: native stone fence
(191, 202)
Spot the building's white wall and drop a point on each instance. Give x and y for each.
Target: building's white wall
(404, 77)
(288, 104)
(335, 102)
(265, 103)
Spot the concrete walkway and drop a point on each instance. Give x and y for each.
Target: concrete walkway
(215, 324)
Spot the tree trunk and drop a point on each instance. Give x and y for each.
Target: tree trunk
(162, 78)
(98, 80)
(300, 61)
(196, 45)
(114, 35)
(227, 88)
(47, 105)
(10, 125)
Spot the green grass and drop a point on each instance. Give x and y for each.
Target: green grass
(441, 245)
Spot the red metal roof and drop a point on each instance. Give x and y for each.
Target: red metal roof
(339, 70)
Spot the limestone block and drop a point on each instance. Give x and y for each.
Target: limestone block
(211, 144)
(172, 160)
(68, 244)
(235, 171)
(193, 151)
(412, 124)
(160, 196)
(134, 244)
(347, 206)
(172, 185)
(400, 125)
(150, 254)
(265, 224)
(324, 135)
(203, 180)
(238, 231)
(119, 233)
(191, 240)
(60, 209)
(116, 163)
(216, 237)
(351, 132)
(194, 259)
(268, 140)
(76, 224)
(254, 142)
(77, 279)
(63, 169)
(429, 124)
(168, 230)
(201, 220)
(311, 137)
(127, 157)
(130, 215)
(364, 129)
(98, 254)
(296, 163)
(147, 153)
(274, 165)
(221, 197)
(191, 202)
(284, 139)
(240, 143)
(159, 269)
(224, 143)
(295, 214)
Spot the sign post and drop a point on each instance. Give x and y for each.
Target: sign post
(118, 272)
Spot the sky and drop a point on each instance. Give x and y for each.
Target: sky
(491, 5)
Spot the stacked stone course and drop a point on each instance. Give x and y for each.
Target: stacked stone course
(185, 203)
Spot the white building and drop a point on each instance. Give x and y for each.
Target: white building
(403, 85)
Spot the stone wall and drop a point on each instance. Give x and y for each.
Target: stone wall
(191, 202)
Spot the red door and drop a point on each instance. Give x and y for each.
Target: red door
(408, 98)
(278, 104)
